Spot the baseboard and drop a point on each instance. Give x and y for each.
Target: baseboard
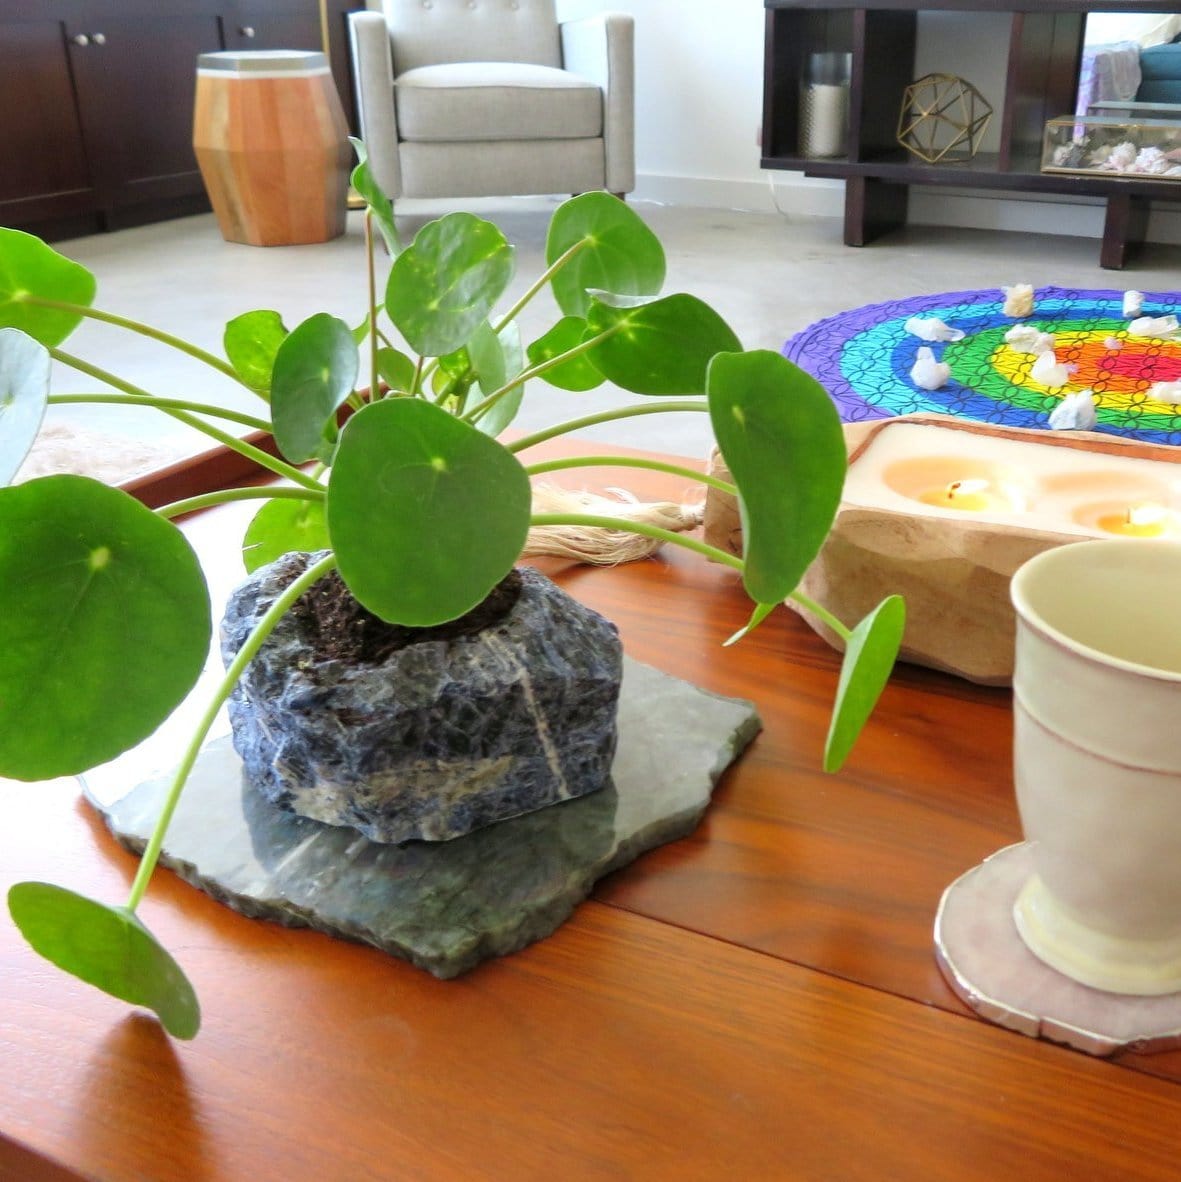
(791, 194)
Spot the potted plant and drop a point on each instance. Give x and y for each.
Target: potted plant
(104, 610)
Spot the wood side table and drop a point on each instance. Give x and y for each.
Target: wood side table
(272, 146)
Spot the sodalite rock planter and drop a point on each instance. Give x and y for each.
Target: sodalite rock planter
(460, 727)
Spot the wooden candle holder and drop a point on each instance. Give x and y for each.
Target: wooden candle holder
(953, 568)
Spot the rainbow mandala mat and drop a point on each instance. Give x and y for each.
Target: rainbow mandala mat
(863, 358)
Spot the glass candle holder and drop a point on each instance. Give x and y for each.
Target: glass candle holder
(824, 105)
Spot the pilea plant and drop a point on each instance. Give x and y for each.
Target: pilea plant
(105, 618)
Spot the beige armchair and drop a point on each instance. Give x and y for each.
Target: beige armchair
(468, 98)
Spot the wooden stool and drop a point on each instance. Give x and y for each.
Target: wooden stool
(272, 145)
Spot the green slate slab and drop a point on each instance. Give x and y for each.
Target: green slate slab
(446, 906)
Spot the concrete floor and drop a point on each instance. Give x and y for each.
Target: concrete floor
(767, 275)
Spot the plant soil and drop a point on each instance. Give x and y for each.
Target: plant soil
(339, 628)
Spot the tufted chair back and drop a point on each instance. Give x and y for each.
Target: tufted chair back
(432, 32)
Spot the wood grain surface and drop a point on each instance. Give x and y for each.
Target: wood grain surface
(274, 156)
(757, 1001)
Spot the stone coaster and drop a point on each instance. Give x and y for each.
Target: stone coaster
(446, 906)
(988, 965)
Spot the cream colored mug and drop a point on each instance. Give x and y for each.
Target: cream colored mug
(1097, 761)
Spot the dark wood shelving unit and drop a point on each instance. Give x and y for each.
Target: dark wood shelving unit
(1045, 52)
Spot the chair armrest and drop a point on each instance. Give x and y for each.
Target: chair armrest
(369, 43)
(601, 49)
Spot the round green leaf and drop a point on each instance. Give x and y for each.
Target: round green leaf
(251, 342)
(445, 283)
(502, 412)
(24, 392)
(364, 183)
(104, 624)
(781, 438)
(660, 346)
(486, 357)
(619, 253)
(282, 526)
(107, 947)
(869, 657)
(577, 373)
(30, 270)
(396, 370)
(425, 513)
(315, 371)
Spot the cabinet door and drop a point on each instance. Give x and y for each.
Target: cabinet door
(295, 24)
(45, 172)
(275, 24)
(135, 78)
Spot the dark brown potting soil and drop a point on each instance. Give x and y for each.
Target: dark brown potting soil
(338, 627)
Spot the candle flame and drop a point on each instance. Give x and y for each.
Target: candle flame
(959, 488)
(1147, 513)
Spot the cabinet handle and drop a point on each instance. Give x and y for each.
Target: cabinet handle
(80, 39)
(98, 39)
(247, 30)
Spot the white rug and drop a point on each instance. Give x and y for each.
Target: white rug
(112, 459)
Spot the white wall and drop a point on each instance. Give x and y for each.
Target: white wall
(699, 97)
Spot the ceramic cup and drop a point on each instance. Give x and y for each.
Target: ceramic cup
(1097, 761)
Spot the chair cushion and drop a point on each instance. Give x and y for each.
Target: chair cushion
(496, 101)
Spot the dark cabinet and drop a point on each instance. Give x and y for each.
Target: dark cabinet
(97, 101)
(45, 169)
(1045, 47)
(133, 76)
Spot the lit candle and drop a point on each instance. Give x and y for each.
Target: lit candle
(1138, 521)
(973, 496)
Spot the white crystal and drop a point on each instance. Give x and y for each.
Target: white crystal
(1026, 338)
(931, 328)
(1153, 326)
(1076, 412)
(1048, 372)
(927, 372)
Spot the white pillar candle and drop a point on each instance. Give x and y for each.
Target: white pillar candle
(823, 115)
(922, 468)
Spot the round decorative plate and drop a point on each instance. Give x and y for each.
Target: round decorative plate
(863, 358)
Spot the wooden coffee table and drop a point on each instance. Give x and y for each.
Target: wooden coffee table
(758, 1001)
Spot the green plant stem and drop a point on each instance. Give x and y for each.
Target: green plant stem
(260, 457)
(371, 272)
(245, 655)
(446, 391)
(535, 287)
(686, 543)
(639, 527)
(605, 416)
(823, 613)
(232, 416)
(145, 330)
(632, 462)
(537, 370)
(225, 495)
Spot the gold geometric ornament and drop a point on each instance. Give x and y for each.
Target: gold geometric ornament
(943, 119)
